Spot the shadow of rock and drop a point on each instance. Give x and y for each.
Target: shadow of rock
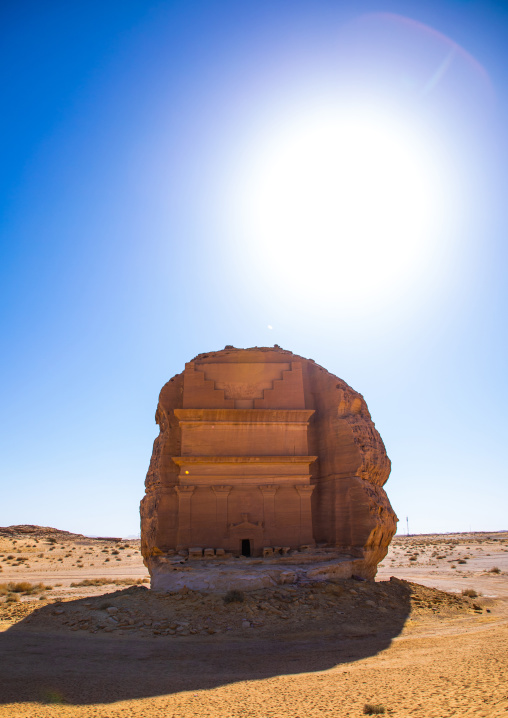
(44, 660)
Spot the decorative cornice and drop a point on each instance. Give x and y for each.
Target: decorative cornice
(183, 460)
(244, 416)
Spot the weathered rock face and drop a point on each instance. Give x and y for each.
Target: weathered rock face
(263, 451)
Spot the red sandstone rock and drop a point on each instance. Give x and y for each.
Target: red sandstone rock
(260, 448)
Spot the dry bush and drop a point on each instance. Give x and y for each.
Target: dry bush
(234, 596)
(51, 696)
(461, 560)
(108, 581)
(12, 598)
(92, 582)
(23, 587)
(495, 569)
(469, 592)
(371, 709)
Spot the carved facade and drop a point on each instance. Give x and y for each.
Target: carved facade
(262, 449)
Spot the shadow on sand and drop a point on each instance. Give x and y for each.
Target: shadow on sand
(83, 668)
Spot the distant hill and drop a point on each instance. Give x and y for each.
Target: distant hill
(23, 530)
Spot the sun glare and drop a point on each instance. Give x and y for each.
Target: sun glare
(342, 203)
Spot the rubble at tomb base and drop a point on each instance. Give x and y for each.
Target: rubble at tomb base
(267, 470)
(197, 573)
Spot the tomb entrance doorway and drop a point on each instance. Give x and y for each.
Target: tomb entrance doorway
(245, 549)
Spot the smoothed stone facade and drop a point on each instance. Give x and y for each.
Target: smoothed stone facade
(263, 453)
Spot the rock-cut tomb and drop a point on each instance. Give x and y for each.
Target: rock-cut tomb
(264, 455)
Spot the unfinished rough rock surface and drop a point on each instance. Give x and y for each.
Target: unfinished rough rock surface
(265, 456)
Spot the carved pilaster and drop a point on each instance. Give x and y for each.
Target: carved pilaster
(184, 515)
(221, 507)
(305, 492)
(268, 491)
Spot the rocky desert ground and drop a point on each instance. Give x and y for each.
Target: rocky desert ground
(81, 635)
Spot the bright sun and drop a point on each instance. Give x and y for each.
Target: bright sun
(342, 204)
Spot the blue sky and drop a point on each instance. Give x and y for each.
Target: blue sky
(146, 149)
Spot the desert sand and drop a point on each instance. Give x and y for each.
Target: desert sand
(89, 638)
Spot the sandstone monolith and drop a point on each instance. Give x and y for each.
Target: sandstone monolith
(265, 455)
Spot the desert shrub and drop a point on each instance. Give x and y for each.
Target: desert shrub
(372, 709)
(234, 596)
(21, 587)
(461, 560)
(115, 552)
(469, 592)
(12, 597)
(26, 587)
(413, 558)
(10, 557)
(52, 696)
(92, 582)
(495, 569)
(114, 581)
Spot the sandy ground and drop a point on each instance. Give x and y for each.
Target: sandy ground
(413, 646)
